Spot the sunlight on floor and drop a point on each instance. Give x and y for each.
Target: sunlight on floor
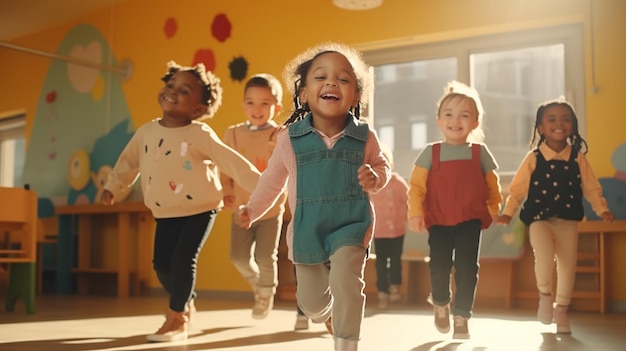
(236, 330)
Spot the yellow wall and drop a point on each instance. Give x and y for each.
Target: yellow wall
(271, 32)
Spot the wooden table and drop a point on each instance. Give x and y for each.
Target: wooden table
(76, 224)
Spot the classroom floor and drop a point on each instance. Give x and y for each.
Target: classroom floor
(88, 323)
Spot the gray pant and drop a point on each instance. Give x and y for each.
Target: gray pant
(262, 271)
(344, 278)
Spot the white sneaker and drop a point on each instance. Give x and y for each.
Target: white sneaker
(302, 322)
(383, 300)
(545, 312)
(262, 306)
(394, 293)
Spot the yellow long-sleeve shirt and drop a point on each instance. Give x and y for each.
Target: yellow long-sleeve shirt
(592, 190)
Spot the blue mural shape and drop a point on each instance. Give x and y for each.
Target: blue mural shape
(78, 107)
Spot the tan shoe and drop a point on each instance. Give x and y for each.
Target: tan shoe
(383, 300)
(262, 306)
(173, 329)
(394, 293)
(461, 329)
(442, 318)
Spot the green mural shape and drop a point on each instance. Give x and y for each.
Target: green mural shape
(77, 105)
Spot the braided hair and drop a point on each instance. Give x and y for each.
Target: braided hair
(297, 69)
(211, 88)
(576, 140)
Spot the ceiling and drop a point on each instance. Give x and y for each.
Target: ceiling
(22, 17)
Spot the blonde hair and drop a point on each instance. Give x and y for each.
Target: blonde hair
(456, 90)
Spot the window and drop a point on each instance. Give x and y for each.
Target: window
(12, 150)
(512, 72)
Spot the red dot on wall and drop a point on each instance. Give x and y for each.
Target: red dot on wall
(170, 27)
(205, 56)
(51, 97)
(221, 27)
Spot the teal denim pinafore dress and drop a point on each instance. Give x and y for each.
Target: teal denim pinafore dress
(332, 210)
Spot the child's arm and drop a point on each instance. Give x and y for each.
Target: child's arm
(126, 169)
(416, 196)
(232, 163)
(375, 172)
(228, 185)
(495, 196)
(592, 189)
(272, 182)
(518, 191)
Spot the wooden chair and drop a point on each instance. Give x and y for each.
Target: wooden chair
(19, 219)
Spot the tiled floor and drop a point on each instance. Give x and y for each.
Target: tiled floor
(72, 323)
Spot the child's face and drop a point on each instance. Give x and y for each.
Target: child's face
(557, 124)
(457, 118)
(180, 99)
(259, 105)
(331, 86)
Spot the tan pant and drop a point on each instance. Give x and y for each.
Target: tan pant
(345, 280)
(550, 239)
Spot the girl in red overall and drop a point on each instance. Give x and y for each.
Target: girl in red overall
(454, 193)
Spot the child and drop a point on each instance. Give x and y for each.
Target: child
(454, 193)
(390, 206)
(255, 140)
(330, 162)
(177, 156)
(549, 185)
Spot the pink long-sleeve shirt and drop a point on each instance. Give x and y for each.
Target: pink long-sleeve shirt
(282, 171)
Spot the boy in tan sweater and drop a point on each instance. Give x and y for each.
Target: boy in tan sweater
(255, 139)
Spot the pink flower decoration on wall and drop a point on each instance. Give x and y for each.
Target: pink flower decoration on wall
(221, 27)
(170, 27)
(205, 56)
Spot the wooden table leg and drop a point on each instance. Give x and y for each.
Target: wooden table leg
(123, 234)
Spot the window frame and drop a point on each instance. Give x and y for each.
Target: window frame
(570, 35)
(12, 126)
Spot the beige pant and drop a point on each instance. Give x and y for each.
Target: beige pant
(344, 279)
(553, 239)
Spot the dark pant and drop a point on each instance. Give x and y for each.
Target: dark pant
(456, 246)
(388, 265)
(177, 244)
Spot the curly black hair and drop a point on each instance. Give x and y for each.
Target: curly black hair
(576, 140)
(211, 89)
(297, 69)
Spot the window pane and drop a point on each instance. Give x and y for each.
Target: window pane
(405, 98)
(511, 84)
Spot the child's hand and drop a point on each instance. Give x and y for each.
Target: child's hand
(243, 218)
(503, 220)
(107, 197)
(608, 216)
(417, 224)
(229, 201)
(367, 177)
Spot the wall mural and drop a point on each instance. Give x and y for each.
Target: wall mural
(77, 131)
